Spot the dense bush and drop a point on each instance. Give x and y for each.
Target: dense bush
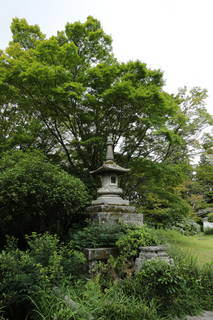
(44, 282)
(159, 291)
(128, 238)
(137, 237)
(177, 289)
(98, 235)
(26, 273)
(187, 226)
(36, 195)
(90, 302)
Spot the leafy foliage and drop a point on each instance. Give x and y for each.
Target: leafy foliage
(187, 227)
(156, 190)
(36, 195)
(204, 176)
(75, 88)
(98, 235)
(208, 231)
(137, 237)
(177, 289)
(90, 302)
(66, 93)
(27, 273)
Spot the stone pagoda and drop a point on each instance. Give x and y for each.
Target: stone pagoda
(110, 206)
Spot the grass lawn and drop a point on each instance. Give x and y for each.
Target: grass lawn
(199, 246)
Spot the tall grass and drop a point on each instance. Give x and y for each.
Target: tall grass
(90, 302)
(199, 246)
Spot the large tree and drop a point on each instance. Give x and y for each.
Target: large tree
(70, 92)
(74, 86)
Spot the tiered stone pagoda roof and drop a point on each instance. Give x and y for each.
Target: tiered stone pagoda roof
(110, 165)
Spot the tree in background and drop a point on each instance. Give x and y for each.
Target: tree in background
(198, 188)
(74, 86)
(204, 170)
(70, 92)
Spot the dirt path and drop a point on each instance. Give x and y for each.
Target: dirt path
(207, 315)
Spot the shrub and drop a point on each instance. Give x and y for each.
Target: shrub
(89, 302)
(98, 235)
(168, 286)
(117, 305)
(206, 292)
(159, 291)
(136, 237)
(178, 290)
(202, 275)
(26, 273)
(187, 227)
(36, 195)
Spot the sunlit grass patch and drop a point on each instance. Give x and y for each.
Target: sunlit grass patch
(199, 246)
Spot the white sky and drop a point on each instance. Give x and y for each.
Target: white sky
(175, 36)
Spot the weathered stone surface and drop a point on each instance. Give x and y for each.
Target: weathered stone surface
(162, 254)
(203, 212)
(207, 225)
(150, 253)
(132, 218)
(105, 199)
(110, 192)
(111, 208)
(207, 315)
(100, 253)
(154, 248)
(117, 217)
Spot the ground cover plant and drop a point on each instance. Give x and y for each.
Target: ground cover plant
(89, 302)
(179, 289)
(158, 291)
(43, 282)
(26, 273)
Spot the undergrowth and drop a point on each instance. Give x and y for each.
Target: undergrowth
(48, 281)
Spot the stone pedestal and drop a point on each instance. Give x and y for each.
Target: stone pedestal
(98, 254)
(115, 214)
(150, 253)
(207, 225)
(95, 254)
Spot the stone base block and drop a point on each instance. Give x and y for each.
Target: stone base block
(152, 252)
(110, 201)
(110, 208)
(112, 217)
(100, 253)
(115, 214)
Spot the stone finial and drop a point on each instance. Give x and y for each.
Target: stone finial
(109, 152)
